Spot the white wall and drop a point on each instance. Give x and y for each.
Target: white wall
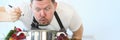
(100, 18)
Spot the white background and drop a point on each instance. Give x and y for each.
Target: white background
(100, 18)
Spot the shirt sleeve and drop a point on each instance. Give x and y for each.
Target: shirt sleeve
(75, 22)
(69, 16)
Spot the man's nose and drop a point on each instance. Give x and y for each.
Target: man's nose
(42, 13)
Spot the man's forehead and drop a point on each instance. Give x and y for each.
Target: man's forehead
(41, 4)
(39, 0)
(42, 1)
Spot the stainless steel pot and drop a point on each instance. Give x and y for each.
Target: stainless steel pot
(43, 35)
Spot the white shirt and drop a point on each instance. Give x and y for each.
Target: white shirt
(70, 19)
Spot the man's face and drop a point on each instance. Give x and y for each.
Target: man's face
(43, 11)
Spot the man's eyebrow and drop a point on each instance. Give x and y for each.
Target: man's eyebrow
(48, 6)
(37, 8)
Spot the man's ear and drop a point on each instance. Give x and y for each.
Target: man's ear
(31, 5)
(55, 5)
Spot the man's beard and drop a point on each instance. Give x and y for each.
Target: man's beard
(43, 22)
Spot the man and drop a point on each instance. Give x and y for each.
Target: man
(44, 17)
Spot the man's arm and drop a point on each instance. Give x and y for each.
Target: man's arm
(77, 35)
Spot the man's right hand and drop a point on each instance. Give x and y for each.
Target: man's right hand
(10, 15)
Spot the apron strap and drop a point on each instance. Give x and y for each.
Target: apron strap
(34, 25)
(59, 22)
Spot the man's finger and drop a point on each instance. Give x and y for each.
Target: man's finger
(18, 10)
(14, 18)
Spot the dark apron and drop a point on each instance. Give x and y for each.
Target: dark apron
(35, 24)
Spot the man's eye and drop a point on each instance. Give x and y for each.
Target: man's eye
(47, 9)
(37, 9)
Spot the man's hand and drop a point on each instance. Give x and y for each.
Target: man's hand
(10, 15)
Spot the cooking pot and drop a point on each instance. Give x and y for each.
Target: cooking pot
(43, 35)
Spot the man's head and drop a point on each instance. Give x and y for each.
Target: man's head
(43, 10)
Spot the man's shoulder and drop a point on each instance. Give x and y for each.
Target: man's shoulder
(65, 9)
